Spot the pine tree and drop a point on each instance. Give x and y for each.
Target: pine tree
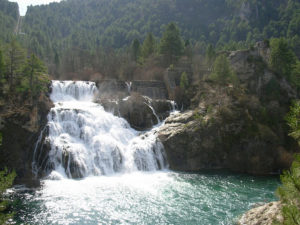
(210, 56)
(56, 61)
(295, 76)
(148, 47)
(184, 82)
(34, 68)
(15, 60)
(171, 44)
(2, 66)
(222, 71)
(282, 57)
(136, 49)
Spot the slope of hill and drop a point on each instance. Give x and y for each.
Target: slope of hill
(9, 14)
(116, 23)
(75, 29)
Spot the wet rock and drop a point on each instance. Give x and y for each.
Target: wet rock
(137, 111)
(141, 112)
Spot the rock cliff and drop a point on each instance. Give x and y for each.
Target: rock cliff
(240, 127)
(22, 120)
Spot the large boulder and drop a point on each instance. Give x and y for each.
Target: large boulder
(138, 112)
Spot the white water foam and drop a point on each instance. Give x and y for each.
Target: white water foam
(88, 141)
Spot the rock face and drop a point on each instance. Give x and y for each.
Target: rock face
(140, 112)
(142, 103)
(22, 121)
(263, 215)
(241, 128)
(232, 132)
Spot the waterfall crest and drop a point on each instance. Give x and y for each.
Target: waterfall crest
(86, 140)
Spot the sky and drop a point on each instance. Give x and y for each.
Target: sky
(24, 3)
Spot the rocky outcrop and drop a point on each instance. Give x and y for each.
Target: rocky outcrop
(141, 112)
(263, 215)
(22, 119)
(229, 129)
(239, 127)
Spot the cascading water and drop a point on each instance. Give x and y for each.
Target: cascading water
(129, 84)
(82, 140)
(86, 140)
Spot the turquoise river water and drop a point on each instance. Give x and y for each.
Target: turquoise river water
(161, 197)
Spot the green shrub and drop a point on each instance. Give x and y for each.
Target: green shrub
(222, 72)
(282, 57)
(6, 181)
(289, 192)
(184, 82)
(293, 120)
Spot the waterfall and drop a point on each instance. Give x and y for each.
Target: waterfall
(129, 84)
(86, 141)
(174, 106)
(149, 104)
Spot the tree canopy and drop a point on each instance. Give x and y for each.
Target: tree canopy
(282, 57)
(171, 44)
(289, 192)
(148, 47)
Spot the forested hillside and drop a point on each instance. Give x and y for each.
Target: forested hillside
(116, 23)
(81, 28)
(9, 13)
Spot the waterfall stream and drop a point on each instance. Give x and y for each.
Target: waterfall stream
(86, 140)
(82, 140)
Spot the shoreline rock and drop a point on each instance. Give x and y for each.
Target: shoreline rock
(262, 215)
(22, 122)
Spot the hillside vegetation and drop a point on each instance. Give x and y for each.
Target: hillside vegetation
(77, 33)
(9, 13)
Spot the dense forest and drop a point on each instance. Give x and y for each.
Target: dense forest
(88, 24)
(9, 13)
(72, 35)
